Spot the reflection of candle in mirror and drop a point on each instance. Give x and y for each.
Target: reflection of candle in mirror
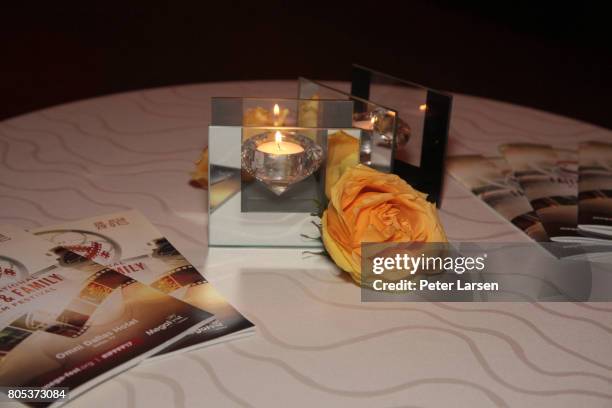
(280, 146)
(365, 124)
(276, 111)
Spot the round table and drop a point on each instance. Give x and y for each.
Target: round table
(316, 344)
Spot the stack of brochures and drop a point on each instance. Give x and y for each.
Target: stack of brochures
(82, 301)
(551, 194)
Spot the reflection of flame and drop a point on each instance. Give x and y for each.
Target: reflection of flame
(373, 119)
(422, 107)
(278, 137)
(276, 110)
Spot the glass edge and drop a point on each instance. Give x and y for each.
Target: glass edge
(400, 80)
(357, 98)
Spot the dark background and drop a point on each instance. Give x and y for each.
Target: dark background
(551, 56)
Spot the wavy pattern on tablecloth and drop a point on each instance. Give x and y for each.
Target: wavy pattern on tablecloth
(147, 106)
(35, 155)
(313, 383)
(86, 197)
(515, 131)
(130, 390)
(178, 93)
(521, 113)
(148, 97)
(60, 189)
(136, 150)
(216, 380)
(148, 110)
(478, 355)
(516, 348)
(76, 126)
(178, 394)
(36, 205)
(56, 218)
(533, 302)
(12, 218)
(68, 148)
(225, 389)
(78, 192)
(481, 113)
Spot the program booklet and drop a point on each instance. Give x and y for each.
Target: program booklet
(549, 178)
(492, 180)
(130, 244)
(66, 321)
(595, 189)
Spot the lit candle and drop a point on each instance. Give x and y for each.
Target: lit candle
(281, 161)
(280, 146)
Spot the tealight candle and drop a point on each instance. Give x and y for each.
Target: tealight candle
(281, 162)
(279, 146)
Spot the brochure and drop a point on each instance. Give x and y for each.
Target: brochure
(549, 179)
(66, 321)
(595, 189)
(131, 245)
(492, 180)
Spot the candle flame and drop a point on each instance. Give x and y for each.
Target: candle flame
(422, 107)
(278, 138)
(276, 109)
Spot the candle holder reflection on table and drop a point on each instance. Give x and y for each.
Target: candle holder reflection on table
(279, 160)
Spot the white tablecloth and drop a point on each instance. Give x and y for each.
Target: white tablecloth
(316, 344)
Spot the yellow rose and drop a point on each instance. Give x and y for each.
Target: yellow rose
(199, 177)
(369, 206)
(342, 153)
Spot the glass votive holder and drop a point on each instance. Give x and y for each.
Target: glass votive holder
(280, 159)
